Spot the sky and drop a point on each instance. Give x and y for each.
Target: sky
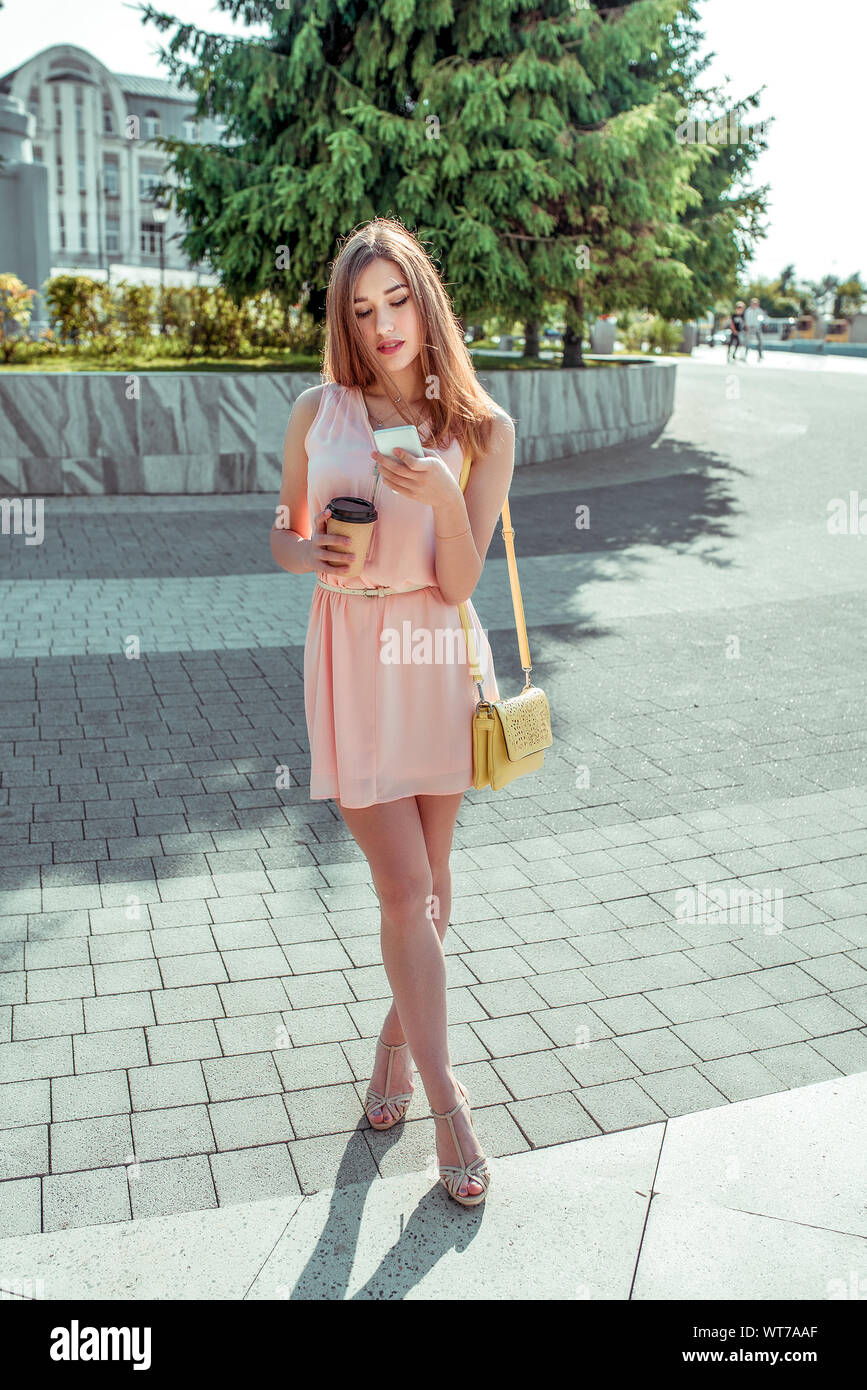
(814, 165)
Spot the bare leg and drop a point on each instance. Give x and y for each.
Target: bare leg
(391, 835)
(438, 815)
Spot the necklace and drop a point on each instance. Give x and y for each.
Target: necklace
(380, 423)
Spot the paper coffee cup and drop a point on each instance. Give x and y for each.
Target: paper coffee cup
(352, 516)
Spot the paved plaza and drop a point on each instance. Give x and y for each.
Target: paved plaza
(191, 978)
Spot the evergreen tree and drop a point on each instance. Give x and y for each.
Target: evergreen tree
(531, 146)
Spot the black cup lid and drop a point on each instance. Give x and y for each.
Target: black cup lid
(357, 509)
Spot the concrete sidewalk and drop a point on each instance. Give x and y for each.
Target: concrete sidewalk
(763, 1199)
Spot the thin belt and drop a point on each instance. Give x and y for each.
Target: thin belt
(381, 591)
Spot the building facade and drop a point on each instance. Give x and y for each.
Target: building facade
(94, 130)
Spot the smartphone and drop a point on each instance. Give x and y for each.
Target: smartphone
(399, 437)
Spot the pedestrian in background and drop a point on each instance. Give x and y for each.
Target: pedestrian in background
(737, 331)
(753, 320)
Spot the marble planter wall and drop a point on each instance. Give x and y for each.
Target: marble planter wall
(205, 432)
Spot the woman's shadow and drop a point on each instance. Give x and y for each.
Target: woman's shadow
(436, 1225)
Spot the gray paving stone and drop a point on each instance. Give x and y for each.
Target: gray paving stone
(20, 1207)
(87, 1096)
(58, 951)
(555, 1119)
(571, 1024)
(240, 1077)
(110, 1012)
(324, 1110)
(332, 1160)
(509, 1036)
(167, 1084)
(99, 1142)
(597, 1061)
(169, 1185)
(710, 1038)
(620, 1105)
(178, 1131)
(771, 1027)
(505, 964)
(797, 1064)
(629, 1013)
(740, 1078)
(533, 1074)
(847, 1051)
(515, 996)
(186, 1005)
(24, 1152)
(120, 946)
(681, 1091)
(67, 982)
(254, 1174)
(33, 1058)
(183, 1042)
(657, 1049)
(93, 1197)
(47, 1020)
(127, 977)
(251, 1121)
(119, 1047)
(325, 1064)
(182, 941)
(322, 1025)
(836, 972)
(254, 964)
(208, 968)
(25, 1103)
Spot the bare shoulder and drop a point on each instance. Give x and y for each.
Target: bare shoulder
(307, 402)
(501, 444)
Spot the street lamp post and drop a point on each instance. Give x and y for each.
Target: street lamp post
(160, 216)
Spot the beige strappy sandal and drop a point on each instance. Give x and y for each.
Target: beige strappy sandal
(452, 1176)
(397, 1105)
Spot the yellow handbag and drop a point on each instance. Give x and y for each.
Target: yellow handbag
(509, 736)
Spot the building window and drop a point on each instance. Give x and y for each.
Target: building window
(60, 173)
(82, 176)
(148, 182)
(107, 116)
(151, 125)
(37, 154)
(112, 235)
(191, 128)
(152, 243)
(110, 181)
(82, 222)
(62, 232)
(33, 102)
(79, 118)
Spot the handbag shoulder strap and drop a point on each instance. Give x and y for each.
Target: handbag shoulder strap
(508, 532)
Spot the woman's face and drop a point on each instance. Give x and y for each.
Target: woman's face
(386, 314)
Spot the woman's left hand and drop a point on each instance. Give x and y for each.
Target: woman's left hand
(425, 479)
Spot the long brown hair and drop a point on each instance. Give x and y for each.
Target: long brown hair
(459, 407)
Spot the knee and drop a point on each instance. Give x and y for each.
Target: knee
(405, 895)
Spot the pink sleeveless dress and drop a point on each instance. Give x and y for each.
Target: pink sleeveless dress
(388, 694)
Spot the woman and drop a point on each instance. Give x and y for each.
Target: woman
(737, 331)
(391, 740)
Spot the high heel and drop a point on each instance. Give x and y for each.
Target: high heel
(451, 1176)
(397, 1105)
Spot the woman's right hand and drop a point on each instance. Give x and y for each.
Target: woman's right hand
(329, 552)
